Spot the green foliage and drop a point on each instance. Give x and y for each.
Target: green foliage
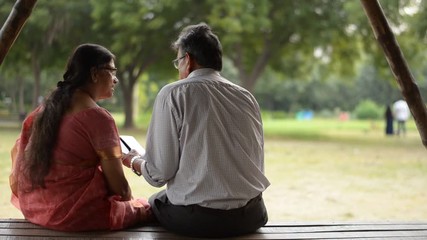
(294, 95)
(294, 54)
(282, 35)
(139, 33)
(368, 110)
(268, 115)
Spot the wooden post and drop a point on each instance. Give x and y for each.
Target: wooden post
(13, 25)
(398, 65)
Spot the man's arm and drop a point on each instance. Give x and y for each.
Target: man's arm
(162, 149)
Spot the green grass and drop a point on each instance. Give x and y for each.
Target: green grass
(320, 170)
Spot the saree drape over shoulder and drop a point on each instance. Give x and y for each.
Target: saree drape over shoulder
(76, 196)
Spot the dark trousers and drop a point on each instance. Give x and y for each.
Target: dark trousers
(197, 221)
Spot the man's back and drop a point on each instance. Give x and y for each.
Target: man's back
(221, 160)
(205, 141)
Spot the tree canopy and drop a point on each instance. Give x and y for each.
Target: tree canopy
(291, 54)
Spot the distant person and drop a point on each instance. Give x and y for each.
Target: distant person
(205, 142)
(401, 114)
(67, 169)
(389, 120)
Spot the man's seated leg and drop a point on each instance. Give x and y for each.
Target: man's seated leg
(197, 221)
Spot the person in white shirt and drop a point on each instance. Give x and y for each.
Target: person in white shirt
(205, 143)
(401, 114)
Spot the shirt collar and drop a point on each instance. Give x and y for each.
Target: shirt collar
(203, 71)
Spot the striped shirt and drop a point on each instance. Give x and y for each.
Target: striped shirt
(205, 141)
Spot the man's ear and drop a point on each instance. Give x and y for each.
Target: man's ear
(192, 64)
(188, 66)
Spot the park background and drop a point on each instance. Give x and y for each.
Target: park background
(314, 66)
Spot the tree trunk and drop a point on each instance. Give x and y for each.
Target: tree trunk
(398, 65)
(128, 101)
(13, 25)
(249, 79)
(127, 92)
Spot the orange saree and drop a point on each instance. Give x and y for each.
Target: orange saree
(76, 197)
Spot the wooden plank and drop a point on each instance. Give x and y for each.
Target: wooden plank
(95, 235)
(27, 225)
(21, 229)
(41, 233)
(272, 224)
(338, 228)
(347, 235)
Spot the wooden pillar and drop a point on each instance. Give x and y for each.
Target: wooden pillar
(13, 25)
(398, 65)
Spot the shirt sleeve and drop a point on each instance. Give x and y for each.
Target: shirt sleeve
(162, 149)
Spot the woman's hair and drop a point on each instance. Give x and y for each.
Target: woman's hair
(46, 125)
(202, 44)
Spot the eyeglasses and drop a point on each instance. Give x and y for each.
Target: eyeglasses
(176, 61)
(112, 70)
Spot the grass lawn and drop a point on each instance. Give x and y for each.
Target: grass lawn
(320, 170)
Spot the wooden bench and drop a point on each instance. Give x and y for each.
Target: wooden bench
(22, 229)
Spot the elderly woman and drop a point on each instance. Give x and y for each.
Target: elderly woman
(67, 163)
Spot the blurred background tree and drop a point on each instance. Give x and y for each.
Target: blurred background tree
(293, 55)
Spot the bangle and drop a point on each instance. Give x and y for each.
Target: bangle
(131, 165)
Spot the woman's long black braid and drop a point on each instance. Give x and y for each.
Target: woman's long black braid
(46, 125)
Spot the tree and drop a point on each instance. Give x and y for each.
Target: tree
(261, 33)
(13, 25)
(46, 40)
(140, 33)
(16, 17)
(311, 40)
(398, 65)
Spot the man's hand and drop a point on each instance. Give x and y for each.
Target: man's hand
(127, 157)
